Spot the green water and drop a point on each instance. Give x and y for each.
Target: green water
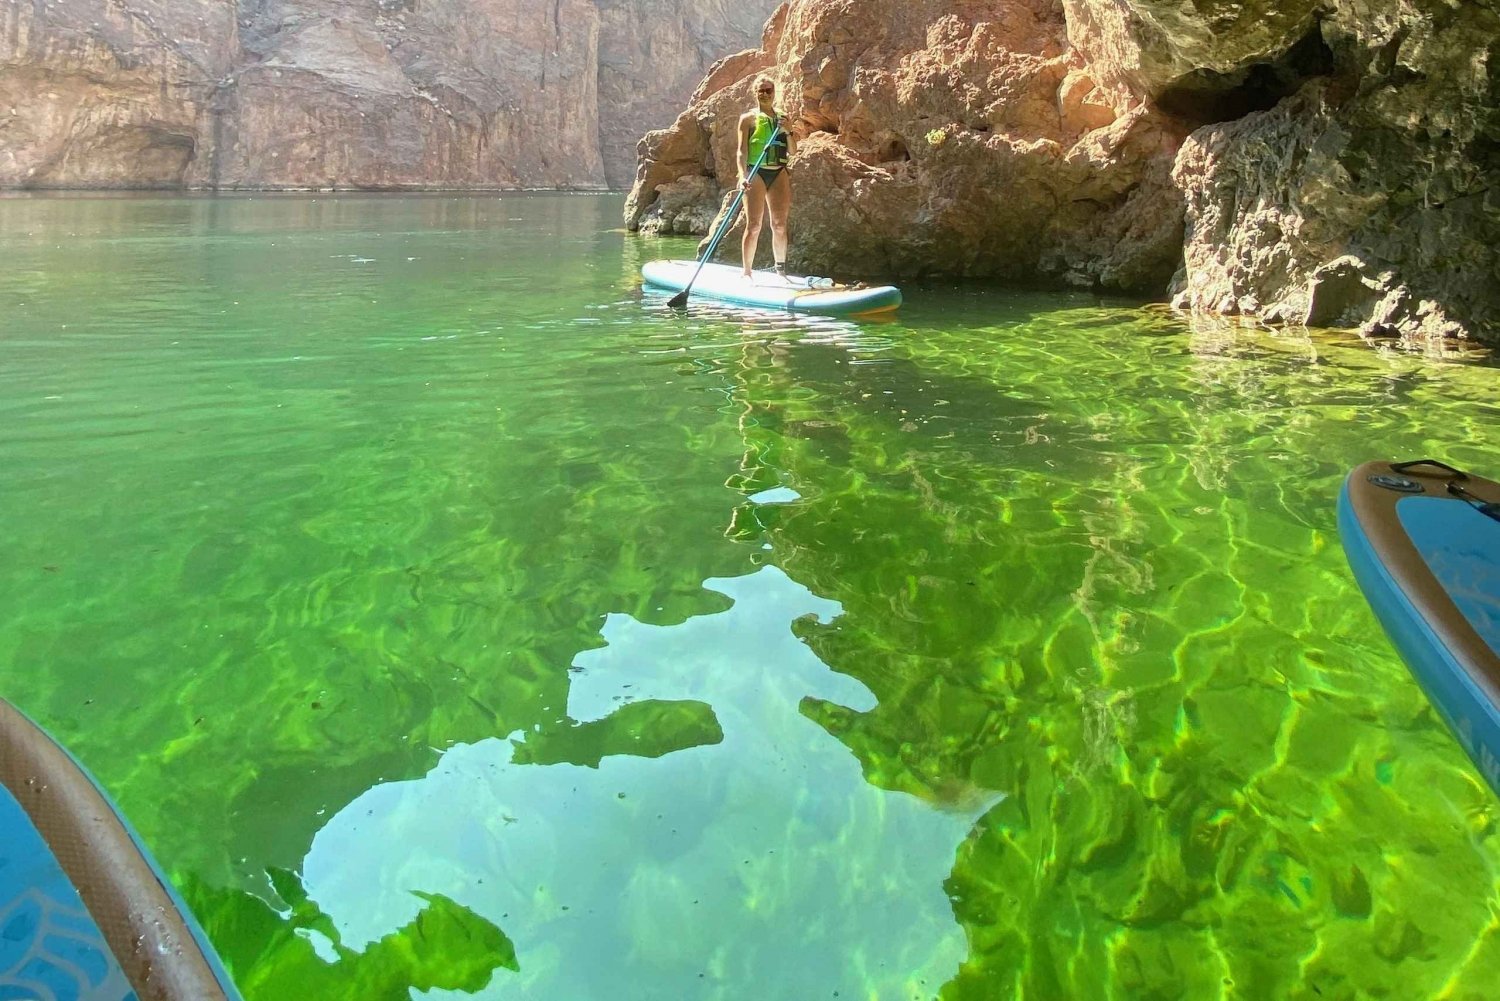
(452, 623)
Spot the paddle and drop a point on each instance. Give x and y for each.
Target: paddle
(680, 299)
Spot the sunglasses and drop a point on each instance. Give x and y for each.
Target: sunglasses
(766, 90)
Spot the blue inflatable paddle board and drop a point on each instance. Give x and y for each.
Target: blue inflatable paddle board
(85, 915)
(768, 290)
(1423, 540)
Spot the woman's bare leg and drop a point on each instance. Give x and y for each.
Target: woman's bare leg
(779, 199)
(755, 213)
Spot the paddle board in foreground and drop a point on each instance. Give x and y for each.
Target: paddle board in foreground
(85, 914)
(768, 290)
(1423, 540)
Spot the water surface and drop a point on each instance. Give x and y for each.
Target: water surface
(454, 621)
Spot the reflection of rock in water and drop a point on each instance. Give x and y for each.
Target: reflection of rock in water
(764, 858)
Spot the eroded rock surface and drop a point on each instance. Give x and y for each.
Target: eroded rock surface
(89, 87)
(336, 93)
(1371, 198)
(1322, 163)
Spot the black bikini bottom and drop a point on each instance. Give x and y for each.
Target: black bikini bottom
(770, 175)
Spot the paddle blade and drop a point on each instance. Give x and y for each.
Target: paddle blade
(679, 300)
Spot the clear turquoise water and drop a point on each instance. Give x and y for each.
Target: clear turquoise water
(452, 622)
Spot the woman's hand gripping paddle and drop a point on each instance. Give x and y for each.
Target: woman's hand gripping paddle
(680, 299)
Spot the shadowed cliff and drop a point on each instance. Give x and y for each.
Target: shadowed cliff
(347, 93)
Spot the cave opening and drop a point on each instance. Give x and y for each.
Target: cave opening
(893, 150)
(1204, 96)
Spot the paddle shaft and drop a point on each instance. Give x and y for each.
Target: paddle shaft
(680, 299)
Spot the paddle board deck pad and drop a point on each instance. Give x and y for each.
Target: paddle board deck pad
(85, 915)
(768, 290)
(1423, 540)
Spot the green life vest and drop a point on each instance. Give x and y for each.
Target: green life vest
(767, 126)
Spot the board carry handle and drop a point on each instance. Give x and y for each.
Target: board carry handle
(1401, 467)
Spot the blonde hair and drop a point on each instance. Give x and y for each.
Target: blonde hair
(763, 78)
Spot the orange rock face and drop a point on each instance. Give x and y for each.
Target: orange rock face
(963, 139)
(1296, 161)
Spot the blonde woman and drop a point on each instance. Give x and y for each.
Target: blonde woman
(768, 188)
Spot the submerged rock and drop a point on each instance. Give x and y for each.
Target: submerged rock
(1299, 162)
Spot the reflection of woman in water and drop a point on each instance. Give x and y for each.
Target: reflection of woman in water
(771, 184)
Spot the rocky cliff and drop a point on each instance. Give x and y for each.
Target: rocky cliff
(348, 93)
(1327, 163)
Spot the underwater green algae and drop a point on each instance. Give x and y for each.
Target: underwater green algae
(449, 619)
(1128, 608)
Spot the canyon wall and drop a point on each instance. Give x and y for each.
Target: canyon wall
(1330, 163)
(348, 93)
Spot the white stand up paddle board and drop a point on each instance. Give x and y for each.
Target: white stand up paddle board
(768, 290)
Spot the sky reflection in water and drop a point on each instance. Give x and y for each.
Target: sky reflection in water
(618, 880)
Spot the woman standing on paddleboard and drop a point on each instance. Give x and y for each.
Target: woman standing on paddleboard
(768, 187)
